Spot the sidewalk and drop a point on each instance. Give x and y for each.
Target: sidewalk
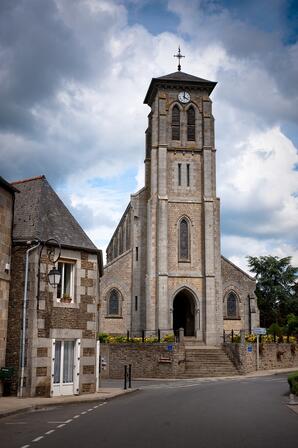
(14, 405)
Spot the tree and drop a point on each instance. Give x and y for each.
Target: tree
(276, 288)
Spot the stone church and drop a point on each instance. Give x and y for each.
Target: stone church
(164, 266)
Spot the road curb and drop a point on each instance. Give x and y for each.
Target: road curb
(33, 407)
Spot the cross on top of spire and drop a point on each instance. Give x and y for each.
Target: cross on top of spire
(179, 56)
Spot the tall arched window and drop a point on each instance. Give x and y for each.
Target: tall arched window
(114, 303)
(184, 251)
(176, 123)
(191, 124)
(232, 306)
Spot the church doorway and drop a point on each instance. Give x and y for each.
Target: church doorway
(184, 312)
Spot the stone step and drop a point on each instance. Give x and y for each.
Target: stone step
(207, 362)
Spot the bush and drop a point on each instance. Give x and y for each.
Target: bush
(293, 382)
(102, 337)
(275, 329)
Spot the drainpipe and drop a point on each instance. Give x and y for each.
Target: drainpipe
(23, 338)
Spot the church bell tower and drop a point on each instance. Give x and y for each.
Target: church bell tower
(183, 237)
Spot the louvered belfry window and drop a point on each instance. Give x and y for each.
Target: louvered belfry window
(175, 123)
(191, 124)
(183, 240)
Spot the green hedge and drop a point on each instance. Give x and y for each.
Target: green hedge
(293, 382)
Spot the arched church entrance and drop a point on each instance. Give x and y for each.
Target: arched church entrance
(184, 312)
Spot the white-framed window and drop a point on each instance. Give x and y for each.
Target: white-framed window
(66, 288)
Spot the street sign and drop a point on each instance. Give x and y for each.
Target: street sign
(169, 348)
(249, 348)
(259, 331)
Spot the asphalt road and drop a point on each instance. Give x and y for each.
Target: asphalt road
(237, 413)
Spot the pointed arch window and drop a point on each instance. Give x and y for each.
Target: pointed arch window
(191, 124)
(232, 306)
(114, 303)
(176, 123)
(184, 239)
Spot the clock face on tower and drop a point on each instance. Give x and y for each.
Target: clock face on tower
(184, 97)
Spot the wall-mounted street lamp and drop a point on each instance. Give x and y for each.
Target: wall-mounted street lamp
(53, 277)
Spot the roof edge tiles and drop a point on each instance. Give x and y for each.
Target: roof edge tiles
(22, 181)
(178, 78)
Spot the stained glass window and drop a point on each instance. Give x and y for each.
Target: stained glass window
(114, 303)
(191, 124)
(232, 305)
(184, 240)
(176, 123)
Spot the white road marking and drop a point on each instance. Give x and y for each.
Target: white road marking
(50, 432)
(102, 404)
(84, 412)
(76, 416)
(25, 446)
(61, 426)
(37, 439)
(91, 409)
(16, 423)
(69, 420)
(56, 423)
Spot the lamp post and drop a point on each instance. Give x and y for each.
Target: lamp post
(54, 277)
(250, 311)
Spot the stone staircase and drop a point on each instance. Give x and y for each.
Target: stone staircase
(207, 361)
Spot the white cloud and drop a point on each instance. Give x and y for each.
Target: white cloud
(89, 121)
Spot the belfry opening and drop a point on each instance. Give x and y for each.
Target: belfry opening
(184, 312)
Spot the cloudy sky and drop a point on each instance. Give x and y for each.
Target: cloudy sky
(73, 76)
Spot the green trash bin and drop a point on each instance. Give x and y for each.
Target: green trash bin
(6, 375)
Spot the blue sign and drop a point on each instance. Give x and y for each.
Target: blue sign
(170, 348)
(249, 348)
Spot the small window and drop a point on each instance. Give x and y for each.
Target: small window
(191, 124)
(232, 306)
(136, 303)
(65, 289)
(137, 254)
(179, 174)
(175, 123)
(114, 303)
(184, 240)
(188, 174)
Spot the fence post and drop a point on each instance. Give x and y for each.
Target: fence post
(224, 336)
(127, 336)
(129, 376)
(158, 335)
(143, 335)
(274, 336)
(125, 376)
(232, 335)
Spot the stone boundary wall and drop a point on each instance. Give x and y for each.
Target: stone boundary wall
(148, 361)
(272, 356)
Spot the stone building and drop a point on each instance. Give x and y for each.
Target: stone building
(164, 266)
(7, 193)
(57, 352)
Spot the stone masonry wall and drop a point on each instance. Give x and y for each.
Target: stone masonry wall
(272, 356)
(6, 210)
(49, 319)
(148, 361)
(234, 279)
(118, 275)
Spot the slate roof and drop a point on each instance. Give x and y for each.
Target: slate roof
(180, 78)
(40, 213)
(7, 186)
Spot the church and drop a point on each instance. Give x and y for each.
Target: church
(164, 268)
